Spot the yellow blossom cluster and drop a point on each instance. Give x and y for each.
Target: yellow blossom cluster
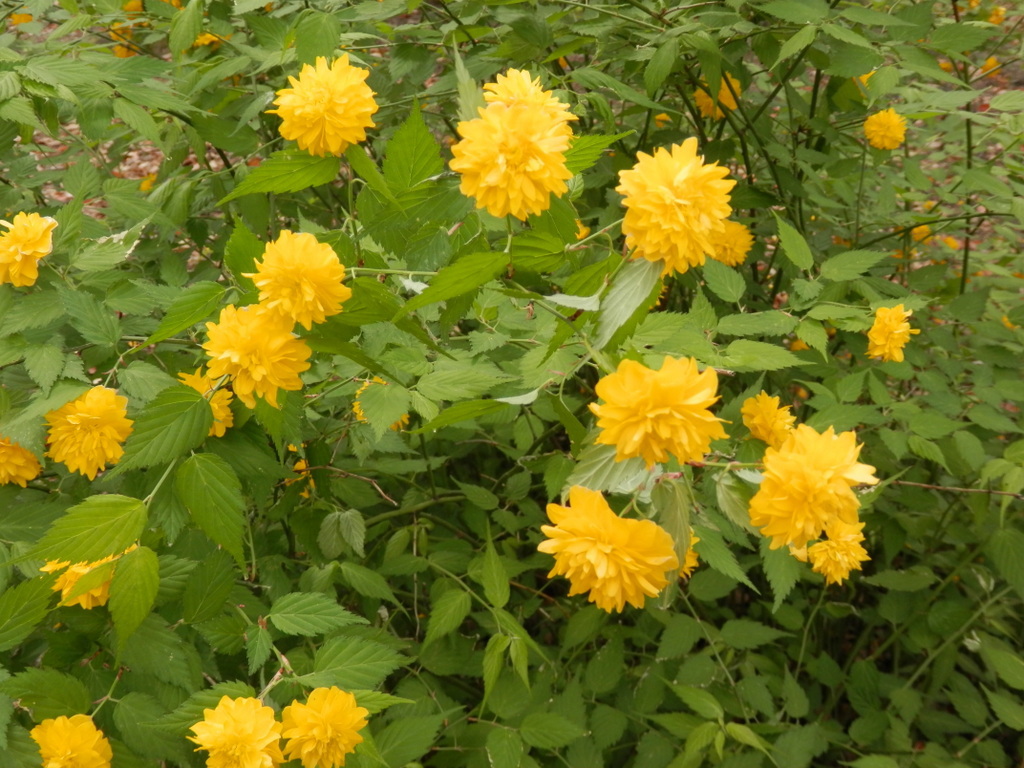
(72, 742)
(885, 129)
(67, 582)
(726, 100)
(243, 733)
(87, 433)
(29, 237)
(17, 464)
(890, 333)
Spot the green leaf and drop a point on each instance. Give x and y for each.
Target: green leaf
(797, 11)
(48, 693)
(494, 578)
(196, 303)
(504, 748)
(672, 502)
(211, 492)
(782, 570)
(286, 171)
(661, 65)
(92, 320)
(465, 411)
(549, 730)
(713, 550)
(144, 381)
(367, 582)
(447, 614)
(847, 266)
(258, 648)
(587, 150)
(384, 406)
(133, 590)
(494, 662)
(471, 96)
(465, 275)
(745, 355)
(743, 634)
(207, 588)
(1011, 712)
(771, 323)
(362, 164)
(1008, 666)
(926, 449)
(375, 701)
(700, 701)
(44, 363)
(309, 613)
(408, 739)
(793, 244)
(186, 26)
(412, 155)
(351, 663)
(1006, 550)
(21, 609)
(803, 38)
(342, 526)
(174, 423)
(598, 470)
(191, 711)
(100, 526)
(725, 282)
(957, 37)
(911, 580)
(632, 286)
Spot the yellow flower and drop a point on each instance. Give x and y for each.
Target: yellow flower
(732, 244)
(676, 206)
(808, 484)
(220, 400)
(798, 345)
(654, 413)
(133, 6)
(921, 233)
(207, 38)
(327, 108)
(1005, 319)
(357, 407)
(766, 420)
(512, 159)
(582, 230)
(72, 742)
(662, 119)
(890, 333)
(17, 464)
(146, 182)
(258, 351)
(517, 88)
(20, 18)
(841, 553)
(123, 32)
(239, 733)
(707, 105)
(300, 279)
(68, 581)
(86, 434)
(951, 242)
(616, 560)
(991, 67)
(324, 729)
(28, 239)
(690, 562)
(997, 15)
(885, 129)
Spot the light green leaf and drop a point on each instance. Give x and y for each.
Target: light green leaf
(342, 526)
(1008, 710)
(48, 693)
(504, 748)
(351, 663)
(309, 613)
(1006, 550)
(494, 578)
(44, 363)
(745, 355)
(364, 165)
(258, 648)
(21, 609)
(286, 171)
(912, 580)
(465, 411)
(1008, 666)
(725, 282)
(408, 739)
(494, 661)
(793, 244)
(782, 570)
(471, 96)
(847, 266)
(375, 701)
(926, 449)
(133, 590)
(661, 65)
(631, 288)
(598, 470)
(700, 701)
(208, 587)
(713, 550)
(384, 406)
(447, 614)
(744, 633)
(771, 323)
(549, 730)
(174, 423)
(366, 581)
(211, 492)
(412, 154)
(803, 38)
(186, 26)
(672, 502)
(196, 303)
(584, 151)
(465, 275)
(100, 526)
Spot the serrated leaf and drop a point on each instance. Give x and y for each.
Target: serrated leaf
(207, 588)
(587, 150)
(352, 663)
(661, 65)
(465, 411)
(447, 614)
(1008, 666)
(672, 502)
(771, 323)
(549, 730)
(412, 154)
(376, 701)
(504, 748)
(48, 693)
(793, 244)
(174, 423)
(847, 266)
(598, 470)
(384, 406)
(196, 303)
(465, 275)
(186, 26)
(100, 526)
(1006, 550)
(258, 648)
(800, 40)
(926, 449)
(700, 701)
(364, 165)
(133, 590)
(44, 363)
(342, 526)
(211, 492)
(713, 550)
(743, 634)
(632, 286)
(494, 662)
(286, 171)
(1006, 709)
(723, 281)
(21, 609)
(92, 320)
(494, 578)
(746, 355)
(309, 613)
(367, 582)
(782, 570)
(408, 739)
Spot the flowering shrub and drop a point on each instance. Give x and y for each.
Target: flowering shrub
(501, 385)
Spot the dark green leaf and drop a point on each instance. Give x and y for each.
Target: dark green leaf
(196, 303)
(100, 526)
(133, 590)
(174, 423)
(447, 614)
(211, 492)
(412, 155)
(351, 663)
(207, 588)
(587, 150)
(549, 730)
(286, 171)
(48, 693)
(309, 613)
(465, 275)
(21, 609)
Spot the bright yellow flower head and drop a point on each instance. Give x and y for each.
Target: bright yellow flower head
(921, 233)
(997, 15)
(17, 464)
(615, 559)
(324, 729)
(517, 88)
(676, 205)
(766, 420)
(662, 119)
(239, 733)
(732, 244)
(692, 558)
(885, 129)
(890, 333)
(840, 553)
(708, 107)
(808, 484)
(72, 742)
(327, 108)
(652, 414)
(357, 407)
(220, 400)
(68, 581)
(512, 159)
(991, 67)
(86, 434)
(28, 239)
(20, 18)
(258, 351)
(300, 279)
